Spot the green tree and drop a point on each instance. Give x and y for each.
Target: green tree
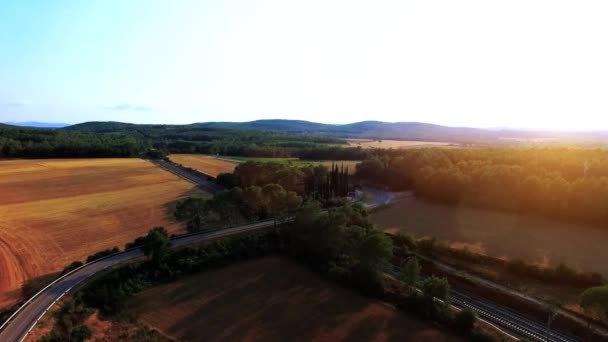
(410, 273)
(434, 287)
(156, 245)
(405, 241)
(375, 250)
(80, 333)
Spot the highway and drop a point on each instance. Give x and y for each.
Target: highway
(23, 320)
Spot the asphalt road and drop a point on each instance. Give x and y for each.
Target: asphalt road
(198, 179)
(19, 325)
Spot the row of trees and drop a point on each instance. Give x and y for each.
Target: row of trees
(570, 184)
(316, 182)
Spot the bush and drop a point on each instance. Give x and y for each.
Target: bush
(102, 254)
(74, 265)
(80, 333)
(464, 322)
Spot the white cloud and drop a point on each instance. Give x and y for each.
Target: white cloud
(130, 107)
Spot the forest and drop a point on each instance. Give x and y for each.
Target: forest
(561, 183)
(126, 140)
(18, 142)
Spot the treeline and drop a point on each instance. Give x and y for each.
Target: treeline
(123, 140)
(314, 182)
(259, 190)
(49, 143)
(560, 275)
(568, 184)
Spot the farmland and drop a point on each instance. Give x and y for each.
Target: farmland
(271, 299)
(396, 144)
(206, 164)
(53, 212)
(500, 234)
(213, 166)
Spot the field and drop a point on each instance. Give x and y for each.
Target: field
(53, 212)
(498, 234)
(396, 144)
(206, 164)
(272, 299)
(213, 166)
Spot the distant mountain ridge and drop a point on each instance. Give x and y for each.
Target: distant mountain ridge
(363, 129)
(38, 124)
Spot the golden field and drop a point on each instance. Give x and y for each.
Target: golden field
(204, 163)
(53, 212)
(396, 144)
(213, 166)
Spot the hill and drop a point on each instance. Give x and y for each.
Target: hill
(364, 129)
(38, 124)
(417, 131)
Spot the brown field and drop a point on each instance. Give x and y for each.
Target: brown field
(272, 299)
(53, 212)
(213, 166)
(396, 144)
(203, 163)
(500, 234)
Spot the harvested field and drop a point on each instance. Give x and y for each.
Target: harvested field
(272, 299)
(53, 212)
(351, 164)
(498, 234)
(396, 144)
(206, 164)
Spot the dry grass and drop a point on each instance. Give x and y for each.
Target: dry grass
(272, 299)
(499, 234)
(203, 163)
(53, 212)
(396, 144)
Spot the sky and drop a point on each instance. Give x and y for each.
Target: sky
(517, 63)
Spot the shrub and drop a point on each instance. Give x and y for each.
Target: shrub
(464, 322)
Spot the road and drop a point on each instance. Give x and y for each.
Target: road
(196, 178)
(18, 326)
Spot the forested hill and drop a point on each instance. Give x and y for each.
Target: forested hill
(363, 129)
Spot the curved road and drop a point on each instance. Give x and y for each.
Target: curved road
(21, 322)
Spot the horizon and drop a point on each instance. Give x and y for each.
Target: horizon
(35, 124)
(519, 65)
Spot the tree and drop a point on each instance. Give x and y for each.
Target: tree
(405, 241)
(81, 333)
(274, 198)
(156, 245)
(595, 301)
(375, 250)
(434, 287)
(410, 273)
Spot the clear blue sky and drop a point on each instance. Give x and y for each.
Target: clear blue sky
(519, 63)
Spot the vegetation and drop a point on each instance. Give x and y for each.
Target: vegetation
(568, 184)
(595, 302)
(47, 143)
(561, 274)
